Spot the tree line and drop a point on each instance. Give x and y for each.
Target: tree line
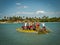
(19, 18)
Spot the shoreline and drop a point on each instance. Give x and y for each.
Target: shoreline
(22, 22)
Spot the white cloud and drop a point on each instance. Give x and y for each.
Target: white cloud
(25, 6)
(18, 7)
(18, 3)
(24, 12)
(17, 12)
(37, 13)
(40, 12)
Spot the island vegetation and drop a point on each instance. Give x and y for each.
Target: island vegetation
(21, 19)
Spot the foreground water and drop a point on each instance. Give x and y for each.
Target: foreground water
(9, 35)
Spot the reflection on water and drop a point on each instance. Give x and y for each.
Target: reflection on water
(9, 36)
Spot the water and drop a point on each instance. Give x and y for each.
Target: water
(9, 35)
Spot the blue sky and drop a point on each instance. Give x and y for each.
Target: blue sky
(30, 8)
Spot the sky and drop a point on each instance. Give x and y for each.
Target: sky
(30, 8)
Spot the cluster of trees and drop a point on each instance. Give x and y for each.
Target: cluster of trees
(19, 18)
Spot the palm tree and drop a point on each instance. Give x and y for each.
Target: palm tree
(4, 17)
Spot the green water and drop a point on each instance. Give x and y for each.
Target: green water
(9, 36)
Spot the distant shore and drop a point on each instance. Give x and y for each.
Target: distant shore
(22, 22)
(9, 22)
(19, 19)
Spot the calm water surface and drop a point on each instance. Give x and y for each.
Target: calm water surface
(9, 35)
